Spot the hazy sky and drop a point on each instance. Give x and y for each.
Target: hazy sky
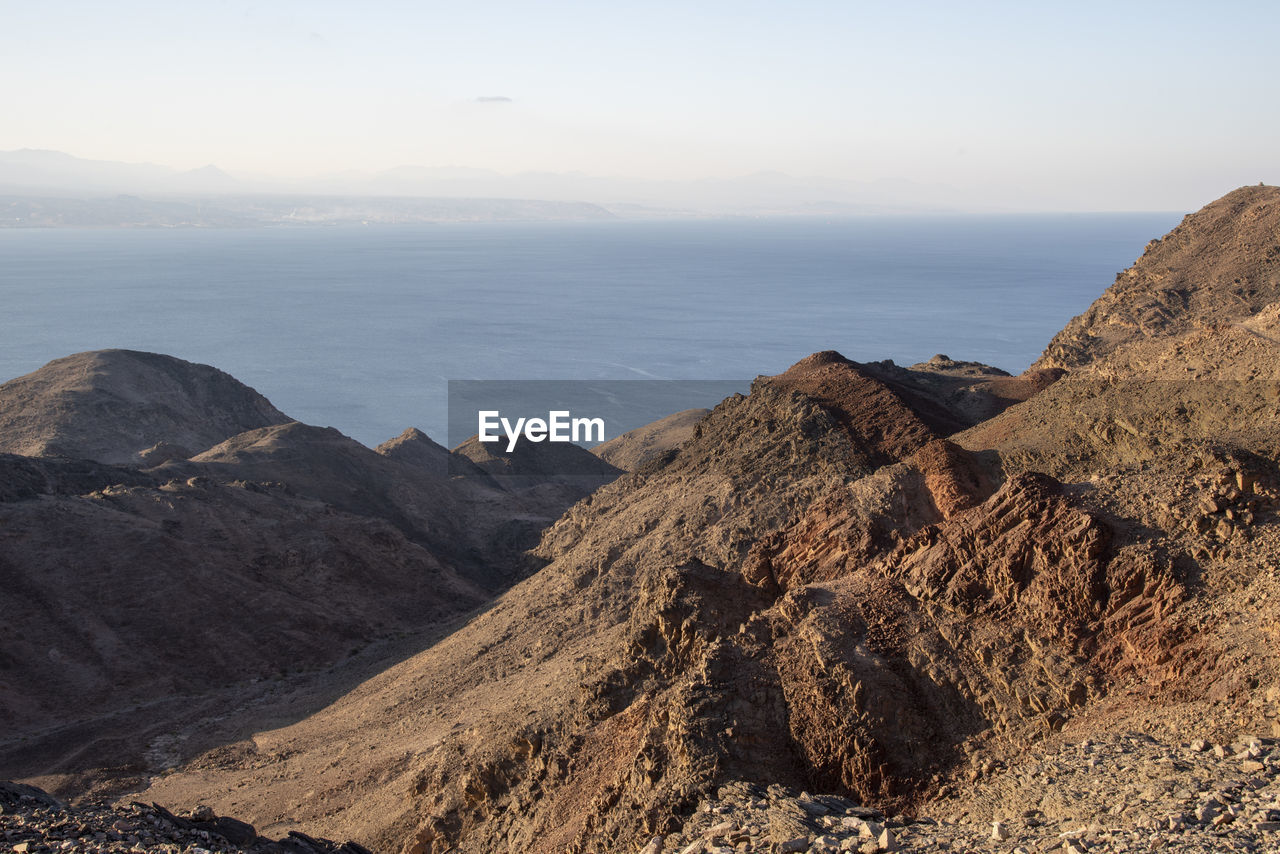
(1107, 105)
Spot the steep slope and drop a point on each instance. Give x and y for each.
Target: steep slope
(1167, 424)
(662, 651)
(634, 448)
(127, 593)
(112, 405)
(1219, 266)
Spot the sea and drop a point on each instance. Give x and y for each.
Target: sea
(361, 327)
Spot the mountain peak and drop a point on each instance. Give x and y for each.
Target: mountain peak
(112, 405)
(1219, 266)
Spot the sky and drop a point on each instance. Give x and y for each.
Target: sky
(1055, 106)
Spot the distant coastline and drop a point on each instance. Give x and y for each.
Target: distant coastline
(23, 210)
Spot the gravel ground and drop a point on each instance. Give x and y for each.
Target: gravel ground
(1127, 792)
(33, 822)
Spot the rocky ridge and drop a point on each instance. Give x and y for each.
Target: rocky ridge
(1219, 266)
(140, 594)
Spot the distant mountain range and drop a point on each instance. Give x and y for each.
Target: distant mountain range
(50, 178)
(52, 189)
(29, 170)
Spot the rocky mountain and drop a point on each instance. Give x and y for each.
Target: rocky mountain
(634, 448)
(685, 640)
(859, 607)
(144, 600)
(1220, 266)
(418, 449)
(131, 600)
(114, 405)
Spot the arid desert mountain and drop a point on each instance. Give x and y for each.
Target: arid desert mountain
(124, 590)
(139, 602)
(1220, 266)
(418, 449)
(856, 598)
(114, 405)
(826, 588)
(690, 652)
(634, 448)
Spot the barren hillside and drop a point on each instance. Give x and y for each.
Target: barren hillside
(866, 604)
(113, 405)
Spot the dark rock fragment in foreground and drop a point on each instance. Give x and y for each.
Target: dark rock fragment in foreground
(32, 821)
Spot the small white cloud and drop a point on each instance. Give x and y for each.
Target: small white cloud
(493, 99)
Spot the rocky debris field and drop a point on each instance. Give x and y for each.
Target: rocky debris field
(32, 822)
(1122, 793)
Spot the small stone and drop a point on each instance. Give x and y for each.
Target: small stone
(813, 807)
(887, 841)
(202, 813)
(1199, 745)
(998, 831)
(1208, 810)
(722, 829)
(21, 848)
(654, 846)
(791, 846)
(1270, 826)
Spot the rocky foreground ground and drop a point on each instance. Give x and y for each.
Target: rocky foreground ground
(33, 822)
(1126, 792)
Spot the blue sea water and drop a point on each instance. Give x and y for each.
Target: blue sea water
(360, 327)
